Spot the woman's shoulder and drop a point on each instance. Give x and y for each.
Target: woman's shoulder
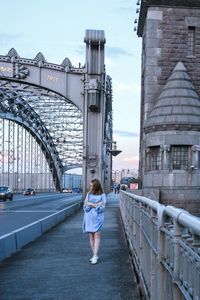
(97, 195)
(102, 196)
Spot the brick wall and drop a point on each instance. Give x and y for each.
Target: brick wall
(173, 43)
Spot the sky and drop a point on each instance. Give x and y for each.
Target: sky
(57, 29)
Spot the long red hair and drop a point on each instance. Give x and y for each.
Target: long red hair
(96, 187)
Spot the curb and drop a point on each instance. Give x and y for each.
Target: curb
(12, 242)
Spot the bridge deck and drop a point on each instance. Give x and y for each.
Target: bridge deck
(57, 267)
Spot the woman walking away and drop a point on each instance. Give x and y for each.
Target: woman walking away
(94, 216)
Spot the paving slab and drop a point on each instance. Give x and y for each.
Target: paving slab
(56, 266)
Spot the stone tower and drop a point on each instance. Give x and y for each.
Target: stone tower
(170, 105)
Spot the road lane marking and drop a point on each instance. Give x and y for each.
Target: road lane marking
(16, 211)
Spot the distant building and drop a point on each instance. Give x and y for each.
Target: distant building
(117, 175)
(169, 168)
(128, 180)
(73, 181)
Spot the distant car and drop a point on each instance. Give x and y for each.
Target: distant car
(123, 187)
(67, 190)
(6, 193)
(28, 192)
(76, 190)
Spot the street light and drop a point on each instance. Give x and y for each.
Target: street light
(113, 151)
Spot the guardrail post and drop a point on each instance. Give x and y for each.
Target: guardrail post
(140, 236)
(177, 234)
(161, 245)
(153, 268)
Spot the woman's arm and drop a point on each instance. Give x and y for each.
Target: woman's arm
(88, 203)
(102, 203)
(92, 204)
(86, 200)
(98, 204)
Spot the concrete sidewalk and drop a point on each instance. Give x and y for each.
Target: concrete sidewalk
(56, 266)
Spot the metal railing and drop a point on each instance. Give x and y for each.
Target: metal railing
(165, 246)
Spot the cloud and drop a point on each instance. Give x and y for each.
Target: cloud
(110, 51)
(124, 6)
(116, 52)
(124, 133)
(133, 159)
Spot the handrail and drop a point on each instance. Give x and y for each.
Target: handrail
(182, 216)
(165, 245)
(151, 203)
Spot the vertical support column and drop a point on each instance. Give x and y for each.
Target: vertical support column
(20, 157)
(1, 152)
(195, 157)
(17, 157)
(166, 149)
(94, 108)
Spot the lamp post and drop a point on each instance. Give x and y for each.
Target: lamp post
(111, 148)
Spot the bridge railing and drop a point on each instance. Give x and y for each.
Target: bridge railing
(165, 245)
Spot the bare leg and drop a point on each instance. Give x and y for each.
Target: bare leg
(96, 242)
(91, 236)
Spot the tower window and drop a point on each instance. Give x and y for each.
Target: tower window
(179, 157)
(154, 158)
(191, 41)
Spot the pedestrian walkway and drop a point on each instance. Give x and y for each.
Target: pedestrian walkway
(56, 266)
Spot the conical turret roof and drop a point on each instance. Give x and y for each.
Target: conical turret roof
(178, 103)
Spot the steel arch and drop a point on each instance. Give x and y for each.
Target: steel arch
(53, 120)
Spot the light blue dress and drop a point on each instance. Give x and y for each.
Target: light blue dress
(94, 217)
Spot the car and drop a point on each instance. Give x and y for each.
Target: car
(6, 193)
(68, 190)
(76, 190)
(123, 187)
(29, 192)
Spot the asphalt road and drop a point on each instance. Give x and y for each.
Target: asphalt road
(56, 266)
(24, 210)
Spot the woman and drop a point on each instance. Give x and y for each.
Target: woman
(93, 216)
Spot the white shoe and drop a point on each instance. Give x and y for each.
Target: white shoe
(94, 260)
(92, 257)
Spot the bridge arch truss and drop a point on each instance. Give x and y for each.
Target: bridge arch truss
(43, 117)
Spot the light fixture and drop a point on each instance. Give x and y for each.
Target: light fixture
(113, 151)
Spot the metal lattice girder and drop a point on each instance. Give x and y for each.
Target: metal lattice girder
(54, 121)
